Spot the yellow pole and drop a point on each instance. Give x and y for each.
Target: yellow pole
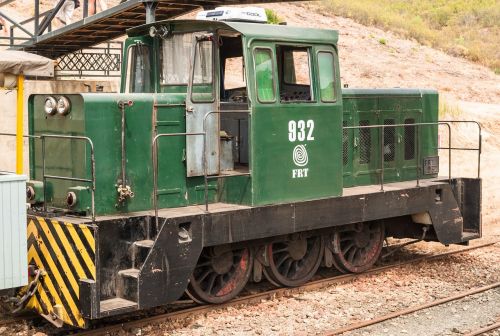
(19, 124)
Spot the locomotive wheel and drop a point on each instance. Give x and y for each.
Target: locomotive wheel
(358, 249)
(221, 274)
(293, 262)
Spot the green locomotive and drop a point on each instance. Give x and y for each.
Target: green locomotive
(232, 152)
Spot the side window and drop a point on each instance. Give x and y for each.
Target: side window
(264, 75)
(138, 69)
(234, 73)
(295, 74)
(176, 58)
(326, 70)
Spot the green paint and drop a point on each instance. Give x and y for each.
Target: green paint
(297, 148)
(379, 107)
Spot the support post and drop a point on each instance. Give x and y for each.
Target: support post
(150, 6)
(85, 8)
(20, 124)
(37, 16)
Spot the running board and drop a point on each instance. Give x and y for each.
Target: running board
(117, 306)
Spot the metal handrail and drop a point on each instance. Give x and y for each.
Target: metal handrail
(154, 149)
(16, 24)
(417, 156)
(204, 154)
(45, 176)
(154, 152)
(64, 178)
(479, 148)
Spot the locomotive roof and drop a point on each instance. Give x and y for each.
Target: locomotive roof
(249, 30)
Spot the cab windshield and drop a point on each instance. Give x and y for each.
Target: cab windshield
(176, 54)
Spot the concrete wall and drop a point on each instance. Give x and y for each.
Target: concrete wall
(8, 108)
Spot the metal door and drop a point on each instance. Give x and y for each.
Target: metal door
(200, 102)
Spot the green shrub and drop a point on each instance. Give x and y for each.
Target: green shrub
(466, 28)
(272, 17)
(447, 110)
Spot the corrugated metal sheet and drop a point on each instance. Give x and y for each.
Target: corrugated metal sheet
(13, 252)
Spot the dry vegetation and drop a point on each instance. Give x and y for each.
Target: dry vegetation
(467, 28)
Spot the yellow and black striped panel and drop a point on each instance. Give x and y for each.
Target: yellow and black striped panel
(66, 254)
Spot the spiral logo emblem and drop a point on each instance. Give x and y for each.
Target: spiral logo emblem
(300, 157)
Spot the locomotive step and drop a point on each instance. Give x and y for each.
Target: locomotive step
(127, 284)
(466, 236)
(129, 273)
(144, 243)
(140, 251)
(112, 306)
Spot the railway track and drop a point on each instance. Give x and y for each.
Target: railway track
(415, 309)
(486, 329)
(6, 321)
(255, 298)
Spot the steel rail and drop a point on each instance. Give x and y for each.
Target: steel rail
(481, 331)
(256, 298)
(410, 310)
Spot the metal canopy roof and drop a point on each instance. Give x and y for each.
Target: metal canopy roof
(113, 23)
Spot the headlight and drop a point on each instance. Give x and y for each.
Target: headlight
(50, 105)
(71, 199)
(30, 193)
(63, 105)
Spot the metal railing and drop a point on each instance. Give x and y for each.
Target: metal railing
(479, 147)
(417, 126)
(66, 178)
(206, 177)
(154, 151)
(41, 21)
(154, 148)
(103, 60)
(45, 176)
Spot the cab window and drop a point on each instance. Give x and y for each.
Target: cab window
(139, 69)
(326, 71)
(176, 56)
(264, 75)
(294, 68)
(203, 88)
